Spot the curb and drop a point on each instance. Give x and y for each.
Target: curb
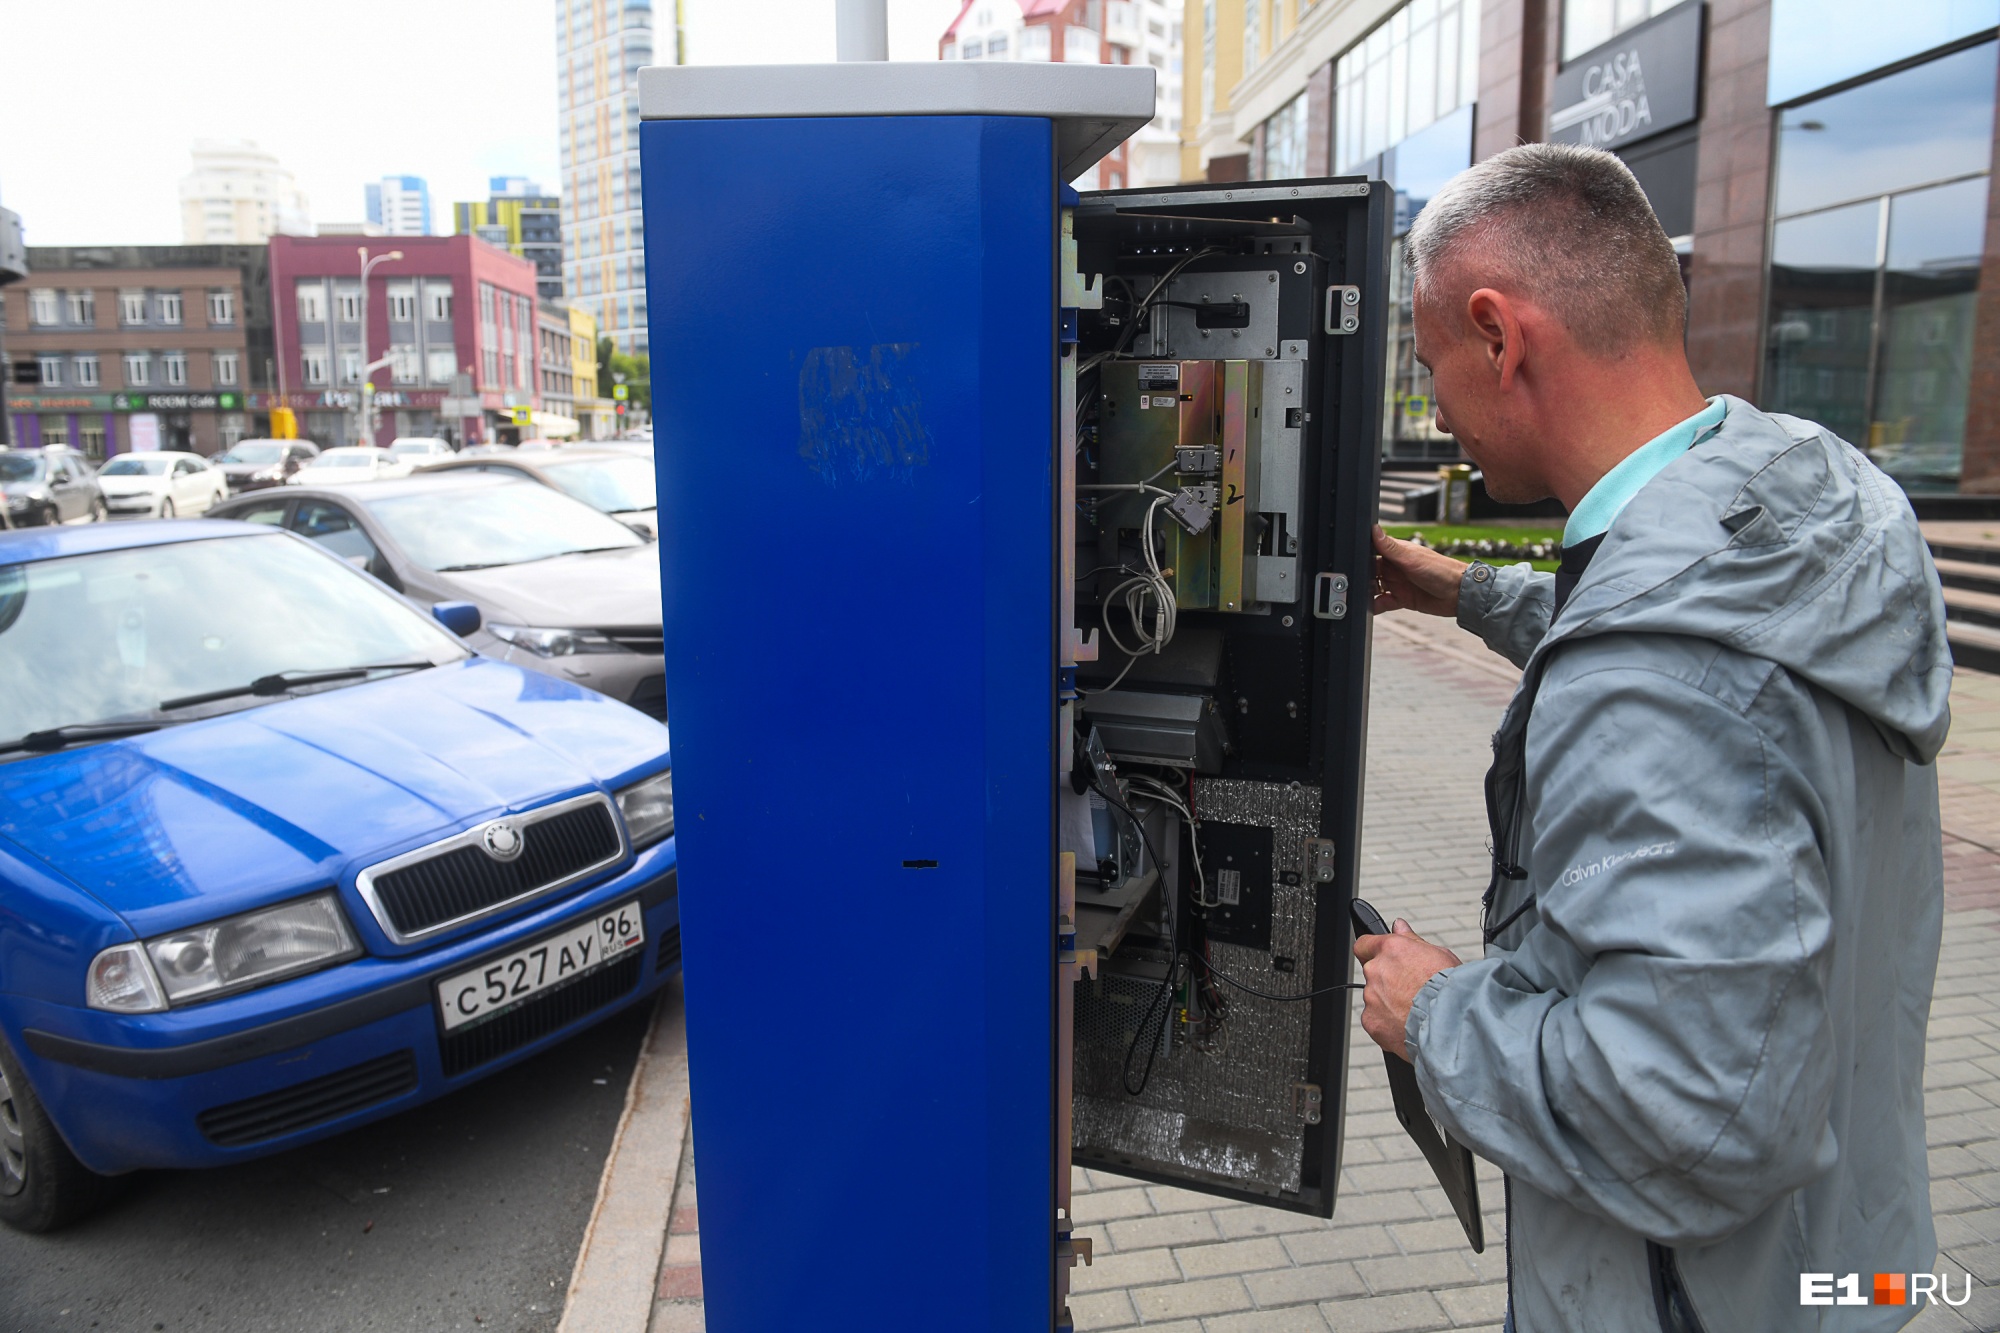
(611, 1288)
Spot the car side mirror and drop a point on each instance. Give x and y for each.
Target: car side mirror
(461, 618)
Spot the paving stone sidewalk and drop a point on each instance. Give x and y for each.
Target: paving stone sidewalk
(1393, 1259)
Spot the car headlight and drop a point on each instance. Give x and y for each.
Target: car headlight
(268, 474)
(648, 808)
(233, 954)
(555, 642)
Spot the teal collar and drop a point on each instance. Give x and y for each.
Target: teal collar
(1615, 489)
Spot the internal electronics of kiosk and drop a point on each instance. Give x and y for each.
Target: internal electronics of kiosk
(1016, 550)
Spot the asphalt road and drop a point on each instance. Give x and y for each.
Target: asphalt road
(462, 1214)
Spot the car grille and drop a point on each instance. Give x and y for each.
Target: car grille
(314, 1102)
(648, 643)
(471, 1047)
(458, 880)
(669, 951)
(649, 696)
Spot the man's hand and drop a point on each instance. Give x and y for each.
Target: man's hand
(1415, 578)
(1396, 967)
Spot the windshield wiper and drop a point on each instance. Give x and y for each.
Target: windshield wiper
(280, 682)
(55, 738)
(453, 569)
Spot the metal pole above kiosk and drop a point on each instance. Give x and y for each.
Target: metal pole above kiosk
(861, 29)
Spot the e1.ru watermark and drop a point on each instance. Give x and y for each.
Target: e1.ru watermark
(1890, 1289)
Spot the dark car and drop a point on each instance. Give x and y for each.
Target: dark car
(251, 465)
(49, 486)
(561, 587)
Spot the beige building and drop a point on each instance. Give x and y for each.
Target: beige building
(238, 194)
(597, 417)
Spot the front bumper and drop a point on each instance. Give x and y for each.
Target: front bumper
(133, 506)
(301, 1060)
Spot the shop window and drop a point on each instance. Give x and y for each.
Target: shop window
(1418, 66)
(1589, 24)
(1869, 330)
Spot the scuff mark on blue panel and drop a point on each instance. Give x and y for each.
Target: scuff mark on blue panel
(861, 413)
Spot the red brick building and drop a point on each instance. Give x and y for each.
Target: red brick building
(451, 307)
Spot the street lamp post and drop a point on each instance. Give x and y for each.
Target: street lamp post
(364, 412)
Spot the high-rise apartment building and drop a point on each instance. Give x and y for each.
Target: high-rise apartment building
(400, 206)
(523, 219)
(600, 47)
(1097, 32)
(238, 194)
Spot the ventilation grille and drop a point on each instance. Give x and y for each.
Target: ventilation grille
(670, 949)
(314, 1102)
(471, 1047)
(465, 880)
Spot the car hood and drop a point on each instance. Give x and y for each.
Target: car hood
(214, 817)
(24, 488)
(594, 589)
(131, 485)
(245, 469)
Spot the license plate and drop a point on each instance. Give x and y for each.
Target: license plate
(493, 988)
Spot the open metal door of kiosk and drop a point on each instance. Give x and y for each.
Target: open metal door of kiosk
(1225, 396)
(968, 890)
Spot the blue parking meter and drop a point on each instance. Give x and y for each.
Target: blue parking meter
(1007, 538)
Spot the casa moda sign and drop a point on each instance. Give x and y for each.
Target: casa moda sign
(1646, 81)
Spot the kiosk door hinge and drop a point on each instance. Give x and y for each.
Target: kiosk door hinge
(1330, 596)
(1306, 1101)
(1343, 310)
(1319, 859)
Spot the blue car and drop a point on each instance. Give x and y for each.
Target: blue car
(279, 855)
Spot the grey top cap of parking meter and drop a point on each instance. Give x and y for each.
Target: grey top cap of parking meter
(1094, 107)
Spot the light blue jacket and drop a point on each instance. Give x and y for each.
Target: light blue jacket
(1696, 1042)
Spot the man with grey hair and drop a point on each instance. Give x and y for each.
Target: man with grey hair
(1695, 1043)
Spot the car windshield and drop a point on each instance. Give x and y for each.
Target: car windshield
(254, 453)
(19, 467)
(131, 465)
(466, 527)
(610, 484)
(104, 637)
(343, 460)
(421, 448)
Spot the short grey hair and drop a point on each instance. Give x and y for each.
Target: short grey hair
(1566, 227)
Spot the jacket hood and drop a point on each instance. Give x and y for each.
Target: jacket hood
(219, 816)
(590, 590)
(1778, 539)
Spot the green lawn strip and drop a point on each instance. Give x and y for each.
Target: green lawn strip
(1438, 534)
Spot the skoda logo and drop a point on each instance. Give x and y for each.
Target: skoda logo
(501, 840)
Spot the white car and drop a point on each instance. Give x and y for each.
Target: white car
(417, 450)
(166, 484)
(337, 467)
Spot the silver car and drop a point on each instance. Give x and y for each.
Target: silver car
(560, 587)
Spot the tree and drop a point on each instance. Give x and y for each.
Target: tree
(636, 370)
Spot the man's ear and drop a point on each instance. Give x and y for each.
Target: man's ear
(1492, 320)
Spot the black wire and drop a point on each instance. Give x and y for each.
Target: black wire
(1220, 975)
(1173, 954)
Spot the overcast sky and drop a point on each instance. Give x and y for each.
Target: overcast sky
(102, 100)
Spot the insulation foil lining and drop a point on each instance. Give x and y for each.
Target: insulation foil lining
(1228, 1112)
